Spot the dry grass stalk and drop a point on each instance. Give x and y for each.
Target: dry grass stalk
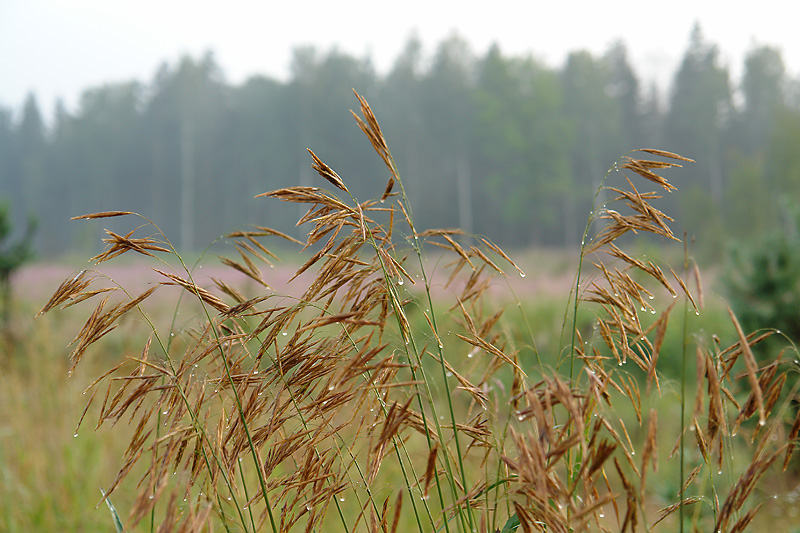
(269, 410)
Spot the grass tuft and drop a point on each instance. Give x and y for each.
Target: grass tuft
(368, 398)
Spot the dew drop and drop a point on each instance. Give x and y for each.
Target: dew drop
(69, 374)
(75, 435)
(520, 417)
(449, 374)
(371, 409)
(441, 345)
(400, 281)
(172, 334)
(719, 472)
(674, 296)
(243, 508)
(229, 498)
(651, 296)
(165, 413)
(697, 313)
(341, 499)
(308, 507)
(642, 309)
(184, 499)
(762, 422)
(470, 354)
(284, 333)
(602, 515)
(330, 387)
(633, 452)
(652, 311)
(521, 274)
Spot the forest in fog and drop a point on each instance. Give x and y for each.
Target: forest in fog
(498, 145)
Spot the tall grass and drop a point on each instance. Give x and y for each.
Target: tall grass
(394, 393)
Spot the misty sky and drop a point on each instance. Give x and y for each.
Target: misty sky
(57, 48)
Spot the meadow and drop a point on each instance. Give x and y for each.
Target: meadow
(395, 378)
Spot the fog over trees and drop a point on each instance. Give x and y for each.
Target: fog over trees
(499, 145)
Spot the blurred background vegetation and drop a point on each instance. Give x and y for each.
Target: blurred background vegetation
(519, 146)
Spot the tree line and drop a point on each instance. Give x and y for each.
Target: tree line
(496, 144)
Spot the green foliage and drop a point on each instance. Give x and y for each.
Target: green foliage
(12, 256)
(114, 515)
(762, 280)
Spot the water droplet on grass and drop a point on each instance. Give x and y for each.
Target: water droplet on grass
(400, 281)
(75, 435)
(284, 333)
(521, 274)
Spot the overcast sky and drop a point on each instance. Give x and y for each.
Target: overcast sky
(57, 48)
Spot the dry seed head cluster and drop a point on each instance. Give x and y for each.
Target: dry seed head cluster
(343, 409)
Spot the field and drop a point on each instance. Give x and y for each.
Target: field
(406, 379)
